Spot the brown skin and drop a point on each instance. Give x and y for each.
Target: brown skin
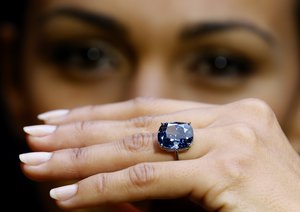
(151, 57)
(160, 56)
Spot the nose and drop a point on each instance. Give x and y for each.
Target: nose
(151, 79)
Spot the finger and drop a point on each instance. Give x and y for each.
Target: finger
(87, 133)
(119, 111)
(79, 163)
(166, 180)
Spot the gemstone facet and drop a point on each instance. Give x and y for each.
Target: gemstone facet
(175, 136)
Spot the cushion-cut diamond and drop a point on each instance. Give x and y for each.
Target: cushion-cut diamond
(175, 136)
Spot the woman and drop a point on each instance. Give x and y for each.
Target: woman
(231, 69)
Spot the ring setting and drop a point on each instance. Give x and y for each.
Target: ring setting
(175, 136)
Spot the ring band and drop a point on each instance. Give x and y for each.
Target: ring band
(175, 136)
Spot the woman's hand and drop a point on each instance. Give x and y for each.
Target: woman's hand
(240, 159)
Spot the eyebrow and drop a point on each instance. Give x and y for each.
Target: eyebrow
(100, 20)
(202, 29)
(189, 32)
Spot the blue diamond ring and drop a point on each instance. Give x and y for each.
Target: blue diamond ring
(175, 136)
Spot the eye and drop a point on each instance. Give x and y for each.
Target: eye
(84, 57)
(220, 65)
(86, 60)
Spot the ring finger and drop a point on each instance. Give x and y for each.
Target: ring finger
(82, 162)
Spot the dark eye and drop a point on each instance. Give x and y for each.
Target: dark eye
(221, 66)
(84, 57)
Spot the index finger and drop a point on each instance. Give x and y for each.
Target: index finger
(119, 111)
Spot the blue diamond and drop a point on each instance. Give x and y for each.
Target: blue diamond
(175, 136)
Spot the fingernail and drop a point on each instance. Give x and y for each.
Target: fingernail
(39, 130)
(64, 192)
(54, 114)
(35, 158)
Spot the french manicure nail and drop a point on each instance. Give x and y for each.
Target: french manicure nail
(54, 114)
(39, 130)
(64, 193)
(35, 158)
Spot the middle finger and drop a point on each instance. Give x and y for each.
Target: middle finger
(86, 133)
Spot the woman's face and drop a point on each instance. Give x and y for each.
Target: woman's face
(91, 52)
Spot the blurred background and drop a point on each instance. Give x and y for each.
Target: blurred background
(16, 189)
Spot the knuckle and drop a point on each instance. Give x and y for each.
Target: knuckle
(77, 158)
(143, 101)
(243, 133)
(231, 167)
(243, 151)
(101, 183)
(142, 174)
(259, 107)
(142, 122)
(78, 155)
(138, 142)
(235, 163)
(141, 104)
(81, 127)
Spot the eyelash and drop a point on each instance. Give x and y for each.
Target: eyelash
(93, 59)
(220, 65)
(87, 57)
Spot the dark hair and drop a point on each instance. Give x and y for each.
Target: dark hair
(13, 11)
(21, 193)
(297, 13)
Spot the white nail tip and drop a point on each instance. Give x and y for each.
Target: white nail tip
(53, 114)
(40, 130)
(35, 158)
(64, 193)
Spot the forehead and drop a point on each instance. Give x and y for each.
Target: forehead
(156, 14)
(157, 18)
(178, 10)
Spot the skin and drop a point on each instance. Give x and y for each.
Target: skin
(217, 177)
(157, 51)
(163, 58)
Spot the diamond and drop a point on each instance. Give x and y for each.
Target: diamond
(175, 136)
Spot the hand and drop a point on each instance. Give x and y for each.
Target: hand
(240, 159)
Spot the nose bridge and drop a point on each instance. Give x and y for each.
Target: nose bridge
(151, 78)
(154, 61)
